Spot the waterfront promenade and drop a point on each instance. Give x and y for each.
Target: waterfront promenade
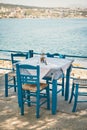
(10, 118)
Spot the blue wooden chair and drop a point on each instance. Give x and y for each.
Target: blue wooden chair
(56, 55)
(79, 89)
(10, 78)
(28, 81)
(62, 76)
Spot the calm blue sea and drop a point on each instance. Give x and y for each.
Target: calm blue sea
(66, 36)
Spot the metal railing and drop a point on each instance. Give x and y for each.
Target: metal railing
(5, 56)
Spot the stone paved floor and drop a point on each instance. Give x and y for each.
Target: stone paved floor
(10, 118)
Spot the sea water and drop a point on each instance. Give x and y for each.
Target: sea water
(65, 35)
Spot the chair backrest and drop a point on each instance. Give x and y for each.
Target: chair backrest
(79, 73)
(55, 55)
(27, 74)
(79, 69)
(16, 57)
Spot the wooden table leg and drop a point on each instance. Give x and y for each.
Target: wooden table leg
(67, 83)
(54, 96)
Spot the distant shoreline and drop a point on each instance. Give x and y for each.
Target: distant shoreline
(18, 11)
(50, 18)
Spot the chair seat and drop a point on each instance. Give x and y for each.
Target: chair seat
(80, 81)
(33, 88)
(12, 74)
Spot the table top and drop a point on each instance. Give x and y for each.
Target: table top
(54, 67)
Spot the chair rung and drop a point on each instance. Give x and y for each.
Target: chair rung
(80, 81)
(60, 84)
(42, 95)
(82, 94)
(33, 102)
(43, 102)
(59, 90)
(82, 87)
(10, 86)
(10, 80)
(32, 94)
(82, 101)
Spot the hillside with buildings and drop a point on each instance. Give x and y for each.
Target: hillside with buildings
(19, 11)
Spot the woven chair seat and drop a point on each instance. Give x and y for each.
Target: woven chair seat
(12, 74)
(80, 81)
(33, 88)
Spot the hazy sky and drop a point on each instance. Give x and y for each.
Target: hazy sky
(48, 3)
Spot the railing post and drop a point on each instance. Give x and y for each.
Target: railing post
(30, 53)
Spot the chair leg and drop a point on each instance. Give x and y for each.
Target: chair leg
(14, 81)
(19, 99)
(22, 108)
(6, 85)
(54, 97)
(37, 104)
(63, 86)
(72, 92)
(21, 96)
(21, 103)
(76, 98)
(28, 97)
(48, 98)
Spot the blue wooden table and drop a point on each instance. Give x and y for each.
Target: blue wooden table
(53, 64)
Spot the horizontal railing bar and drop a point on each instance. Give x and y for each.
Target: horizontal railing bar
(36, 53)
(75, 56)
(77, 67)
(5, 69)
(12, 51)
(5, 59)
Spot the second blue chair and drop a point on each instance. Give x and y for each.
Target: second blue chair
(79, 88)
(10, 78)
(62, 76)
